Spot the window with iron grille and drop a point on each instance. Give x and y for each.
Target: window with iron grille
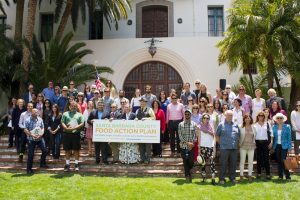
(215, 21)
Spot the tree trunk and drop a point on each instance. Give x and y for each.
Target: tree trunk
(251, 78)
(32, 4)
(295, 94)
(270, 72)
(19, 23)
(64, 19)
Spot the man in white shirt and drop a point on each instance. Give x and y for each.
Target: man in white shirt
(295, 121)
(231, 94)
(24, 116)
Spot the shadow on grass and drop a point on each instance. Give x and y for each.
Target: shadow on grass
(180, 182)
(62, 175)
(22, 175)
(278, 181)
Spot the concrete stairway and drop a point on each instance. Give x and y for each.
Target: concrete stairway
(164, 166)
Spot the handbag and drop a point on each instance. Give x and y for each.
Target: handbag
(291, 162)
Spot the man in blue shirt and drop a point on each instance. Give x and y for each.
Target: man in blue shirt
(63, 99)
(34, 129)
(49, 91)
(228, 135)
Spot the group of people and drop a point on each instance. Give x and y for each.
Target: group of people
(197, 125)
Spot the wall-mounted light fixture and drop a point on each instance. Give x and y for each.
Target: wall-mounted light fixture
(152, 48)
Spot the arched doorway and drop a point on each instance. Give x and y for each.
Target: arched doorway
(159, 75)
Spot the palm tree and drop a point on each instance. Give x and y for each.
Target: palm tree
(60, 64)
(113, 10)
(32, 5)
(238, 48)
(7, 64)
(19, 22)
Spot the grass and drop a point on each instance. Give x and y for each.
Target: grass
(76, 186)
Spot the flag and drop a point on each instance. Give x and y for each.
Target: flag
(97, 81)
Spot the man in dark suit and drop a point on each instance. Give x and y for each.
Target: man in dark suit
(99, 146)
(128, 115)
(27, 96)
(115, 114)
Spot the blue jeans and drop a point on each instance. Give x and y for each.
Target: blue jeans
(56, 141)
(31, 147)
(281, 156)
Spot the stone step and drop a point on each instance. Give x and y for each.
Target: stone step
(13, 155)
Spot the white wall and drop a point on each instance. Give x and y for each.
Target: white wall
(193, 57)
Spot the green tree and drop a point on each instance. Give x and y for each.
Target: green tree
(60, 63)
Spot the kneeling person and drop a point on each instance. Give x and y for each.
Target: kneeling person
(72, 122)
(34, 129)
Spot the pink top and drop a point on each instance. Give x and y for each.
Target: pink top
(175, 112)
(83, 106)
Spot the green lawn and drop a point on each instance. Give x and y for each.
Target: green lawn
(75, 186)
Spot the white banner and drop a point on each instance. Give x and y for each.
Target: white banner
(130, 131)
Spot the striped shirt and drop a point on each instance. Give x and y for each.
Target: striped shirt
(187, 131)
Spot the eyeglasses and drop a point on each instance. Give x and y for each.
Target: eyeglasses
(205, 117)
(228, 88)
(93, 88)
(209, 107)
(79, 95)
(113, 107)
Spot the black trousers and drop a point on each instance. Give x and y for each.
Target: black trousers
(281, 155)
(173, 131)
(263, 156)
(103, 147)
(21, 140)
(156, 147)
(188, 161)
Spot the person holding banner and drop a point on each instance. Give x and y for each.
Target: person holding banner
(99, 146)
(114, 115)
(129, 152)
(145, 113)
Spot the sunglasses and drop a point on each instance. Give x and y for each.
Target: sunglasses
(228, 88)
(113, 107)
(201, 101)
(279, 118)
(71, 83)
(297, 105)
(209, 107)
(93, 88)
(197, 83)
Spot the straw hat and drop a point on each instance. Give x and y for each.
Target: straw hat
(279, 115)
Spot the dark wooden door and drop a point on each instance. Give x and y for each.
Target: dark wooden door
(155, 21)
(160, 76)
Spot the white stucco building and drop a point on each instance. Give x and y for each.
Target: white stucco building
(188, 29)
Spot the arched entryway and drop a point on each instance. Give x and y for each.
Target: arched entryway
(159, 75)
